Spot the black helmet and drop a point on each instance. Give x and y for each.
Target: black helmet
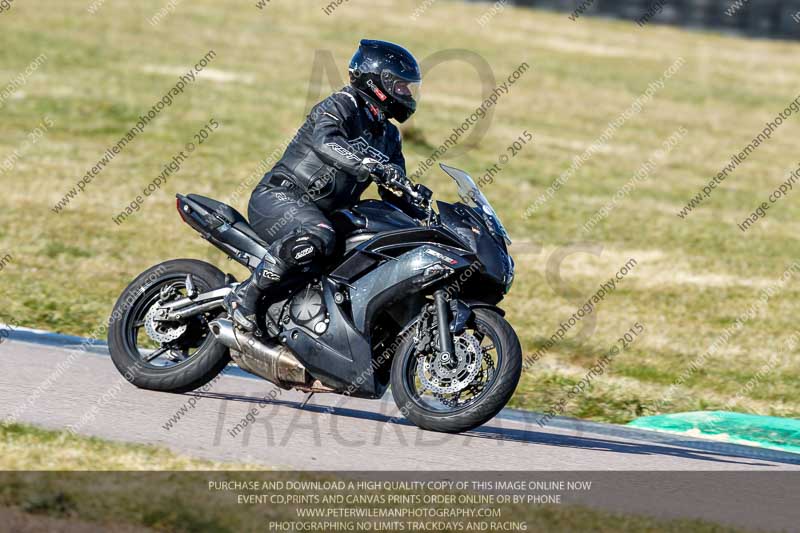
(388, 76)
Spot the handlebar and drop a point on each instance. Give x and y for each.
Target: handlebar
(397, 185)
(419, 195)
(406, 188)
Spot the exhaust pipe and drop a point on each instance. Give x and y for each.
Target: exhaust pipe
(274, 362)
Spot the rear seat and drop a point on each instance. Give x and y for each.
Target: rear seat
(229, 214)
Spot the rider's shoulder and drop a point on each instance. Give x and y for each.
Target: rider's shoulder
(343, 101)
(392, 131)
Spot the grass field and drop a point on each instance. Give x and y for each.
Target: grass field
(693, 276)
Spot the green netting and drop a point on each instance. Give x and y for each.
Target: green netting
(752, 430)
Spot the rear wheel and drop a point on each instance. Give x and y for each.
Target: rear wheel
(467, 389)
(170, 357)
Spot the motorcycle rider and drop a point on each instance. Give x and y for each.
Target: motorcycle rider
(347, 140)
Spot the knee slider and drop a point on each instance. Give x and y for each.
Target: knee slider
(300, 248)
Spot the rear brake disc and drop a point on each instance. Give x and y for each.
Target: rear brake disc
(161, 332)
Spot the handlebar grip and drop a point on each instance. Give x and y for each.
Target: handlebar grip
(403, 185)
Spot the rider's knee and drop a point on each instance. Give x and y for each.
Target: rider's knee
(324, 235)
(306, 244)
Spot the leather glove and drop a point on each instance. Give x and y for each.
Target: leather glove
(369, 168)
(393, 175)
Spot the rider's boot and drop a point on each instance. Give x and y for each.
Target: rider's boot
(242, 302)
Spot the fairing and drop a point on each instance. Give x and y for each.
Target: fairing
(472, 231)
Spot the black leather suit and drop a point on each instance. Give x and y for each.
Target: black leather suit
(322, 169)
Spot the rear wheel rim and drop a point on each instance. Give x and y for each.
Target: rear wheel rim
(152, 354)
(427, 399)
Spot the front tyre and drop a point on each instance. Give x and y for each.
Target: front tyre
(465, 391)
(185, 355)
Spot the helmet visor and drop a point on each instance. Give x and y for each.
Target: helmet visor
(406, 89)
(402, 88)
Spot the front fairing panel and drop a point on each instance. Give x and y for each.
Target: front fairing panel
(397, 279)
(470, 228)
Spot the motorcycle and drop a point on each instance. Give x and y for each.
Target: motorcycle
(407, 302)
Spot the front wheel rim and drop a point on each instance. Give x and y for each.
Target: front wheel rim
(491, 360)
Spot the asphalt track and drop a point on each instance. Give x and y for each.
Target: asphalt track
(45, 381)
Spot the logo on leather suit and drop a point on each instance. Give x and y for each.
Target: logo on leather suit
(361, 145)
(271, 275)
(304, 252)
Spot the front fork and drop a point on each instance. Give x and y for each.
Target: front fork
(443, 321)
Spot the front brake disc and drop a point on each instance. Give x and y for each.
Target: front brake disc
(443, 379)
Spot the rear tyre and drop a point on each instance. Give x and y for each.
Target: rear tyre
(179, 365)
(423, 393)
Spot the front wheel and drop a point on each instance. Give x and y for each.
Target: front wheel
(466, 390)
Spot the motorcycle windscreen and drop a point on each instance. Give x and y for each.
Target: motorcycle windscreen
(471, 194)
